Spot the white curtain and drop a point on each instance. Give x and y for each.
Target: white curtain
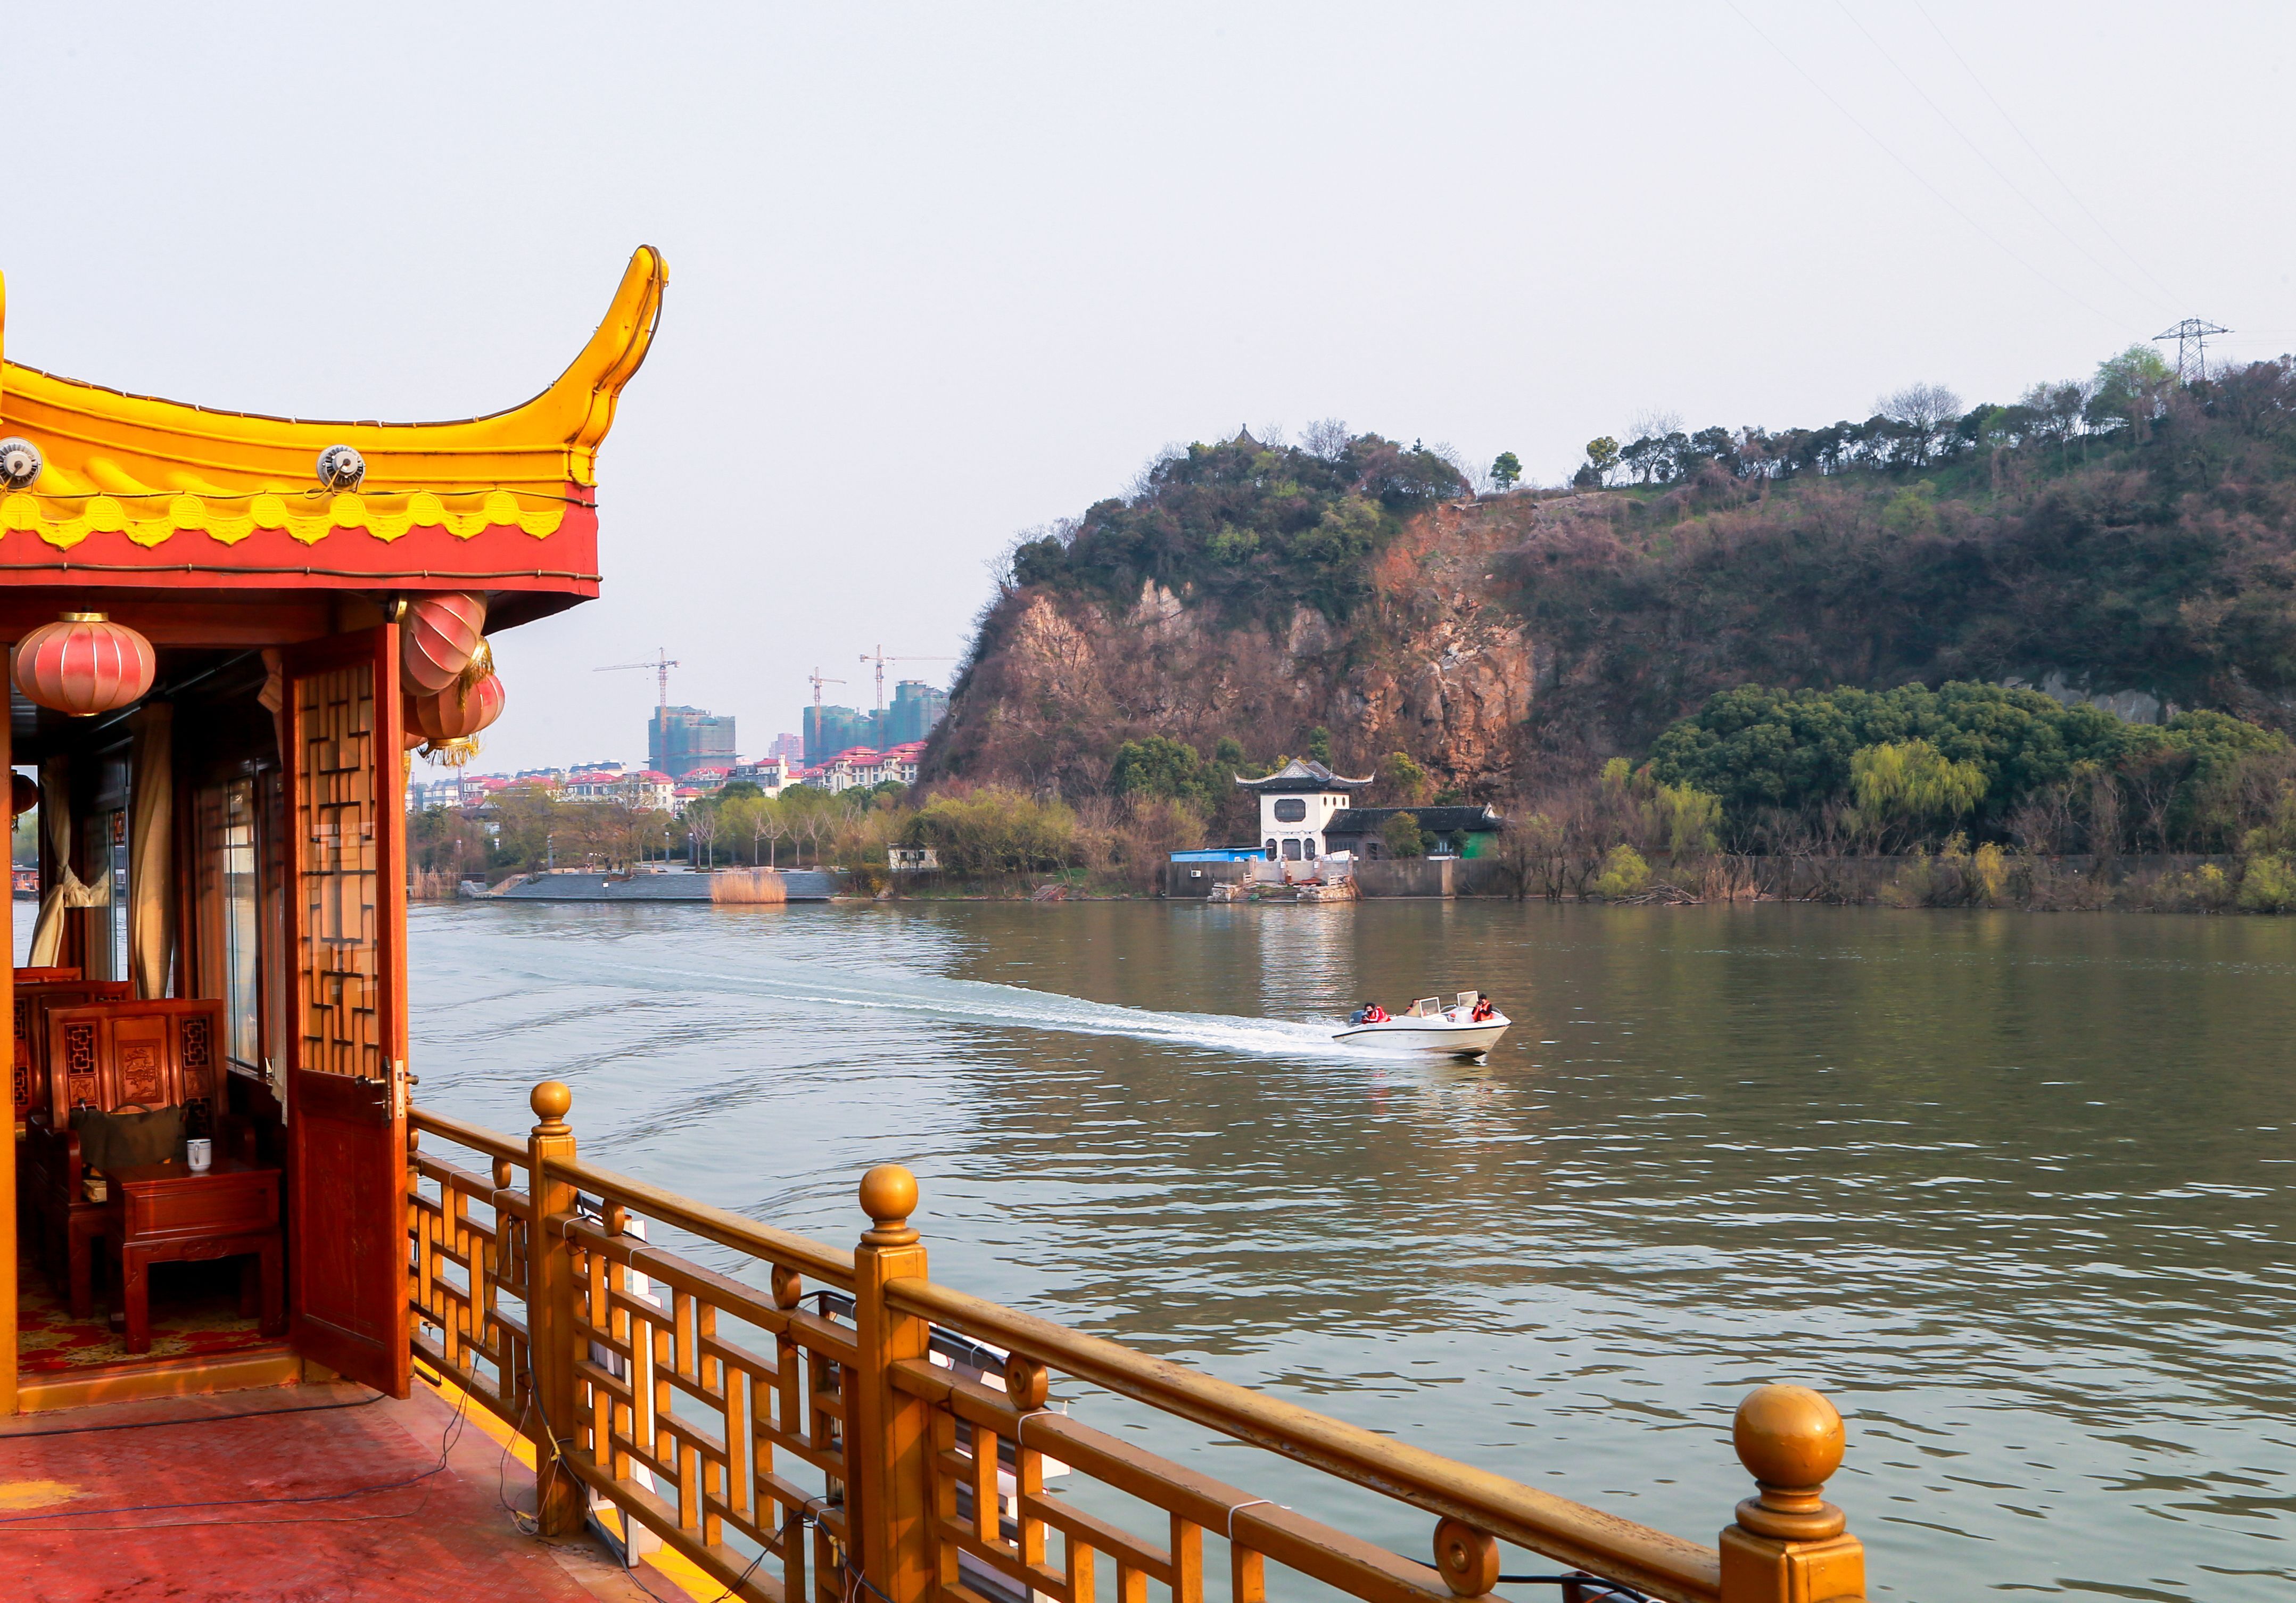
(65, 892)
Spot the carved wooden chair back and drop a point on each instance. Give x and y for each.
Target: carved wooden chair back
(33, 976)
(112, 1055)
(35, 1000)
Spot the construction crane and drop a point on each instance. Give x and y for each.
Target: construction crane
(881, 659)
(661, 664)
(816, 680)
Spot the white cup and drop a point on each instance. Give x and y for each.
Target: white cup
(199, 1152)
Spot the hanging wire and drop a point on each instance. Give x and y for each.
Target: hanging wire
(2071, 192)
(1979, 153)
(1914, 173)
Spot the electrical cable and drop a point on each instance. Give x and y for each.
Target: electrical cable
(1884, 50)
(1914, 173)
(2072, 194)
(252, 1413)
(446, 1441)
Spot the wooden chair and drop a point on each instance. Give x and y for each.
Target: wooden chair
(28, 1078)
(115, 1057)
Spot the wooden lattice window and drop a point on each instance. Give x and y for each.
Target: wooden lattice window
(338, 826)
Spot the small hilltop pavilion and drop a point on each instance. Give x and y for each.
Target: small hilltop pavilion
(229, 633)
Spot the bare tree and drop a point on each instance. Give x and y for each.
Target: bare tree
(1474, 479)
(1143, 482)
(1327, 437)
(769, 826)
(2042, 823)
(1652, 422)
(1928, 410)
(701, 824)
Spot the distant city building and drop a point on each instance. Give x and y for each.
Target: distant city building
(829, 729)
(593, 785)
(791, 746)
(642, 789)
(769, 775)
(681, 739)
(916, 707)
(861, 768)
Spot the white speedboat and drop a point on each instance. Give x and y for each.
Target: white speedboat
(1429, 1027)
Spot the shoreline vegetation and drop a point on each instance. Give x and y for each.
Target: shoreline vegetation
(1968, 795)
(1954, 877)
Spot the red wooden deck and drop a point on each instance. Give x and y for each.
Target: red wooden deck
(348, 1502)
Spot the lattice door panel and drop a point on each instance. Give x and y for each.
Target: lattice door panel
(338, 827)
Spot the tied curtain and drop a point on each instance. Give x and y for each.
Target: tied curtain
(150, 831)
(66, 892)
(150, 834)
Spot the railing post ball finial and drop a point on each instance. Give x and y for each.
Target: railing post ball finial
(1467, 1558)
(889, 1196)
(550, 1101)
(1790, 1439)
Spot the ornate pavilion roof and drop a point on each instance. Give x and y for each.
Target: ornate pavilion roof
(1301, 778)
(135, 490)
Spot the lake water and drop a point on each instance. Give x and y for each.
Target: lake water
(2015, 1190)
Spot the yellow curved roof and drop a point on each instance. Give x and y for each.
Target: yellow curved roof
(115, 462)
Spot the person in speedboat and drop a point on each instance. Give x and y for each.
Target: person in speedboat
(1483, 1009)
(1370, 1012)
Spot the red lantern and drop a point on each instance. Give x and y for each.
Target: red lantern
(24, 795)
(438, 638)
(84, 664)
(456, 713)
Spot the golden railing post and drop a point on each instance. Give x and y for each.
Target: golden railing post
(888, 1499)
(554, 1337)
(1789, 1544)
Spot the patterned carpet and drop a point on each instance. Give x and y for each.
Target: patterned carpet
(194, 1314)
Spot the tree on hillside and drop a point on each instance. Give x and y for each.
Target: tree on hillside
(1161, 768)
(1507, 471)
(1402, 780)
(2128, 386)
(1319, 744)
(1601, 460)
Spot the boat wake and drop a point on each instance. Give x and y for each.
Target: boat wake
(777, 991)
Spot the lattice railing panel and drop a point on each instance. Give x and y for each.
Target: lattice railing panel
(714, 1414)
(469, 1235)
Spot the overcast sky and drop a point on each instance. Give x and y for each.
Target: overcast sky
(938, 273)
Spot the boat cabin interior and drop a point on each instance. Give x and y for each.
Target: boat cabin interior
(229, 634)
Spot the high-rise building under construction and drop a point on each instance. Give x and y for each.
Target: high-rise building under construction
(916, 707)
(681, 739)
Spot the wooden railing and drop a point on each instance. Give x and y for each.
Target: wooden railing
(896, 1439)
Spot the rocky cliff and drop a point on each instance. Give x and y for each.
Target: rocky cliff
(1433, 663)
